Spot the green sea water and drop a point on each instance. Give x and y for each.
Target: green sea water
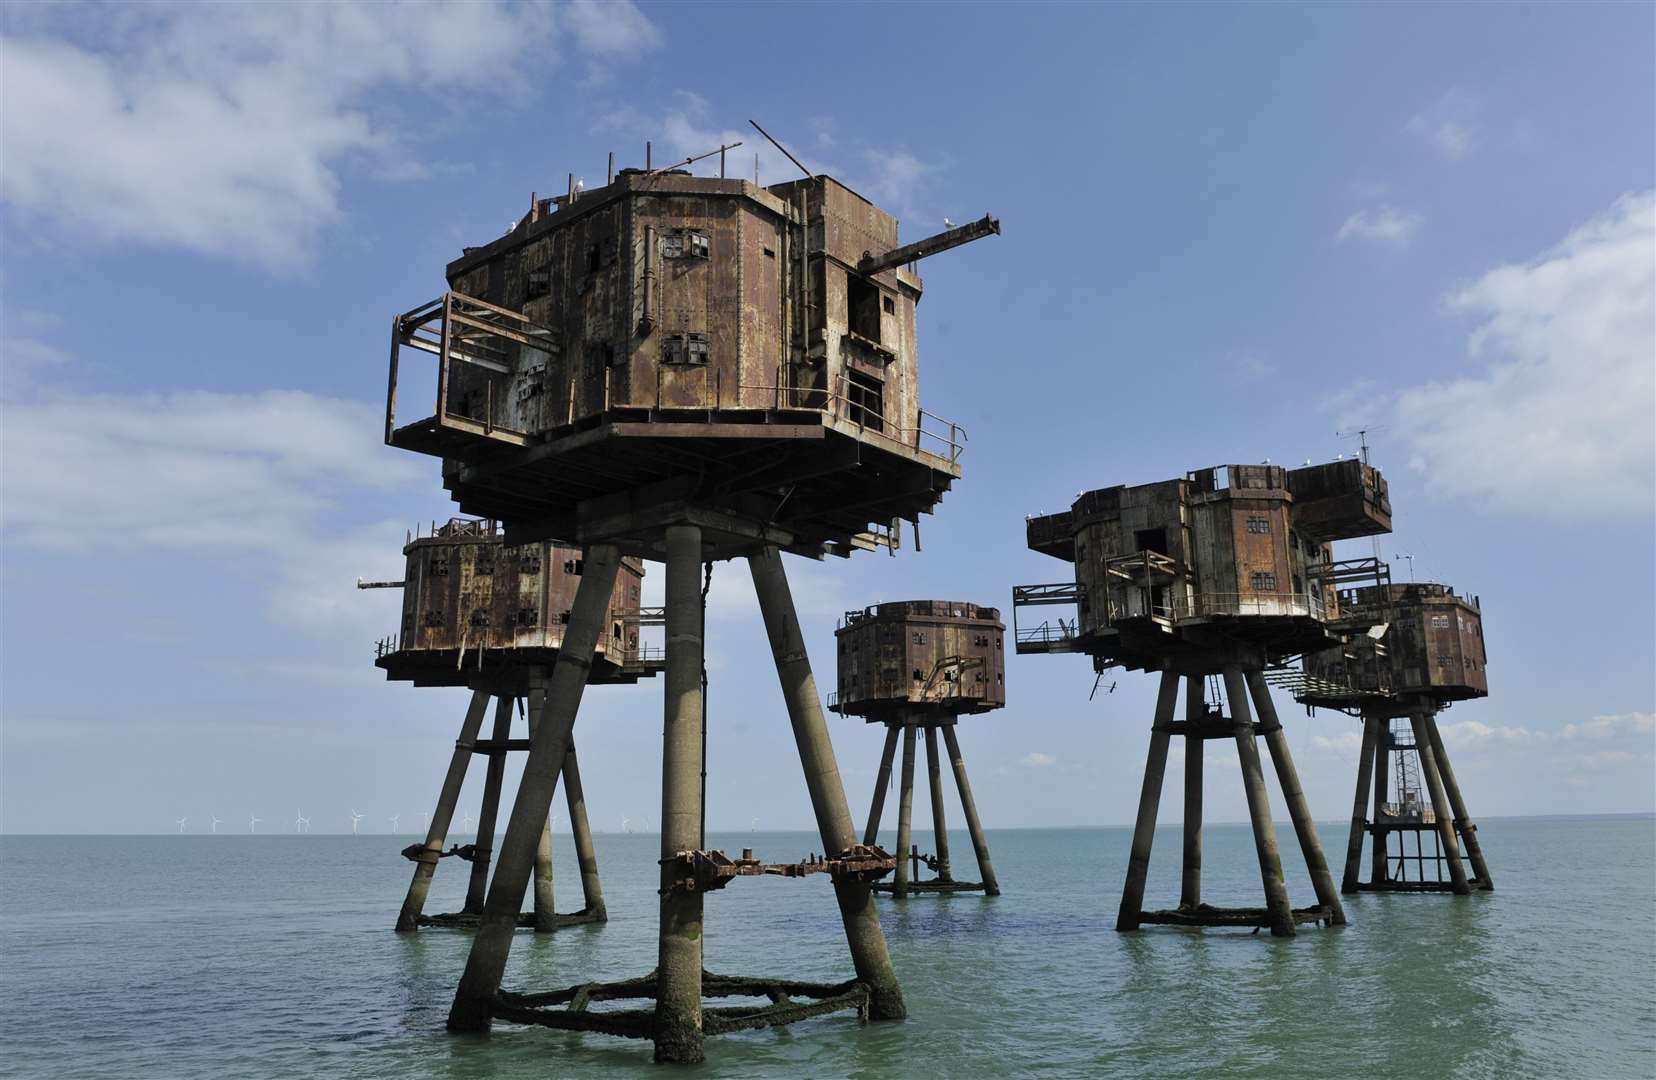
(272, 956)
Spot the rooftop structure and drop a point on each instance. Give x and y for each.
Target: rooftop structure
(1225, 572)
(921, 665)
(683, 342)
(1237, 554)
(479, 612)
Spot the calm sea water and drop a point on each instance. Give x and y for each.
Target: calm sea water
(238, 956)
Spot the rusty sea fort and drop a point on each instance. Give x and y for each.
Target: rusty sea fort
(132, 957)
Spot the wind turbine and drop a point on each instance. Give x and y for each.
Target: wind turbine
(300, 821)
(217, 821)
(755, 826)
(252, 823)
(356, 819)
(626, 824)
(394, 827)
(181, 822)
(466, 821)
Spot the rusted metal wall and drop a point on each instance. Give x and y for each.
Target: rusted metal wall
(464, 588)
(1433, 645)
(931, 656)
(719, 327)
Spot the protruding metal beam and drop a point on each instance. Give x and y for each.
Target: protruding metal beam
(931, 245)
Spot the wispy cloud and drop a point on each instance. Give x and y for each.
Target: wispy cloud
(1567, 387)
(1446, 124)
(1383, 224)
(239, 480)
(224, 128)
(1037, 760)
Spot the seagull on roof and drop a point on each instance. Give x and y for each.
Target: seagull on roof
(947, 224)
(580, 185)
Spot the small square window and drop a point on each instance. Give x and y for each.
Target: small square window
(672, 245)
(480, 617)
(574, 567)
(769, 253)
(594, 257)
(919, 638)
(563, 618)
(439, 567)
(1264, 582)
(484, 566)
(539, 282)
(434, 618)
(695, 349)
(700, 246)
(1258, 524)
(528, 616)
(890, 306)
(530, 563)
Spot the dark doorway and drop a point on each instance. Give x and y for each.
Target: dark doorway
(865, 400)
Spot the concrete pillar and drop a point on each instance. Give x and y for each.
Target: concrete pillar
(546, 908)
(1144, 832)
(968, 805)
(592, 890)
(1379, 868)
(822, 779)
(1418, 720)
(940, 823)
(1259, 806)
(1299, 807)
(678, 1012)
(905, 814)
(1365, 776)
(1463, 821)
(409, 918)
(1190, 887)
(588, 619)
(882, 780)
(478, 886)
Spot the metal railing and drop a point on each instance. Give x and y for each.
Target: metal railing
(489, 340)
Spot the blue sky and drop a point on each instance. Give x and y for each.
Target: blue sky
(1229, 232)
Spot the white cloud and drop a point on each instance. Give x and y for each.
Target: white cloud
(1564, 406)
(1037, 760)
(610, 26)
(223, 128)
(245, 480)
(1611, 727)
(1446, 124)
(1384, 224)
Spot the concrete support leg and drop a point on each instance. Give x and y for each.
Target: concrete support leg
(1440, 802)
(905, 815)
(968, 805)
(1259, 806)
(1365, 777)
(1463, 821)
(822, 779)
(1379, 863)
(589, 618)
(592, 890)
(478, 886)
(940, 822)
(1190, 887)
(882, 780)
(1144, 831)
(1299, 807)
(409, 918)
(546, 908)
(678, 1012)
